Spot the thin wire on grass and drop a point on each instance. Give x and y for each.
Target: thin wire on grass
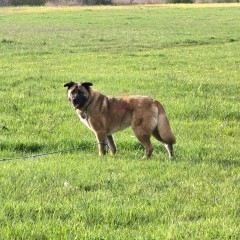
(50, 153)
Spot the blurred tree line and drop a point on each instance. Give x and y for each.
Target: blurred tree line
(53, 2)
(95, 2)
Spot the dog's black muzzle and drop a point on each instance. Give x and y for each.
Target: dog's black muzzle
(79, 101)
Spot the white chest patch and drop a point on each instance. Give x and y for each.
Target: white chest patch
(85, 122)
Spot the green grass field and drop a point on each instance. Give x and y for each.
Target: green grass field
(186, 56)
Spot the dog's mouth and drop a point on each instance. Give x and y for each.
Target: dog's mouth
(79, 102)
(75, 105)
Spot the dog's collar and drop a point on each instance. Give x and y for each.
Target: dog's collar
(84, 112)
(84, 115)
(86, 109)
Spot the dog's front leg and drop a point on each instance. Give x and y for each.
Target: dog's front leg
(102, 144)
(111, 144)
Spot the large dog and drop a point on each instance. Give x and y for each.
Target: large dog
(106, 115)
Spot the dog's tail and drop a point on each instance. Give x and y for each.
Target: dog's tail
(164, 128)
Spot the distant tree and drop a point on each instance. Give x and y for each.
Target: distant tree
(27, 2)
(103, 2)
(181, 1)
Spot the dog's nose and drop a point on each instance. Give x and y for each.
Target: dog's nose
(74, 100)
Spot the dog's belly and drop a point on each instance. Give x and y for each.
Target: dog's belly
(114, 127)
(117, 129)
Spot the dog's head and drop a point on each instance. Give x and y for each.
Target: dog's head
(78, 93)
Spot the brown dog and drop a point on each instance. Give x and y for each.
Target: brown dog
(106, 115)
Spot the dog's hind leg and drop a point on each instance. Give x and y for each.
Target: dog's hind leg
(144, 139)
(168, 146)
(142, 128)
(111, 144)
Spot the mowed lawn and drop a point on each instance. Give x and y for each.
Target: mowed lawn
(186, 56)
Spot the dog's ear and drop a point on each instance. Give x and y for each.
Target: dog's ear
(87, 85)
(69, 85)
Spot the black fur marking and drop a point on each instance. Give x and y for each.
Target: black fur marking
(69, 85)
(87, 85)
(79, 101)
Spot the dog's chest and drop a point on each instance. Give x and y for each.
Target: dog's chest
(84, 119)
(85, 122)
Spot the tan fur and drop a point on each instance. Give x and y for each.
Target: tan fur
(106, 115)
